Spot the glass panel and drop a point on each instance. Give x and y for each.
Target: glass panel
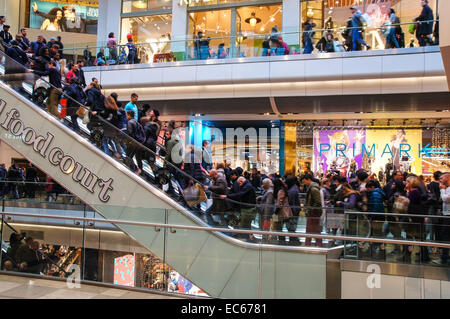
(129, 6)
(256, 25)
(48, 248)
(210, 32)
(150, 39)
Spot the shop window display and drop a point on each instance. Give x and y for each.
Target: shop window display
(153, 33)
(255, 25)
(377, 146)
(210, 32)
(131, 6)
(333, 14)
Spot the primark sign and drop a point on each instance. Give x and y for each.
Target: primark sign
(43, 145)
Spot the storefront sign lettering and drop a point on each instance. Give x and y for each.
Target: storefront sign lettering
(42, 145)
(405, 149)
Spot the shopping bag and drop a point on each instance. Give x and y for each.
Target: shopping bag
(63, 103)
(412, 28)
(86, 118)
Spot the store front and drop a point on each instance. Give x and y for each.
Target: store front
(231, 31)
(334, 14)
(246, 144)
(379, 147)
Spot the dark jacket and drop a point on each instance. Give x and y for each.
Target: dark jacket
(80, 74)
(416, 205)
(77, 94)
(376, 203)
(6, 37)
(192, 168)
(96, 100)
(426, 15)
(54, 76)
(17, 54)
(294, 198)
(132, 127)
(151, 130)
(36, 47)
(313, 200)
(245, 195)
(219, 187)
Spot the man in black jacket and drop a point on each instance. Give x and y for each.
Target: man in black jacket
(80, 73)
(425, 27)
(294, 202)
(5, 36)
(31, 179)
(17, 54)
(247, 197)
(55, 90)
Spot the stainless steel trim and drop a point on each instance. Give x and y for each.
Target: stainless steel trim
(398, 269)
(314, 56)
(103, 284)
(244, 231)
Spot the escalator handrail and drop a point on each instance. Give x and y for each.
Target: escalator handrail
(122, 134)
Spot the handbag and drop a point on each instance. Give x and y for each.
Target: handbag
(401, 205)
(86, 118)
(81, 112)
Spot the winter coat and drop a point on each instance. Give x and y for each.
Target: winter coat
(425, 15)
(76, 93)
(313, 200)
(376, 203)
(219, 187)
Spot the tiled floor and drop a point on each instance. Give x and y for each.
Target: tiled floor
(29, 288)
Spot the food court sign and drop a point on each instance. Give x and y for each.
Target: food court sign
(42, 144)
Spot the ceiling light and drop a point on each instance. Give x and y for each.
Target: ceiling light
(140, 4)
(253, 20)
(272, 19)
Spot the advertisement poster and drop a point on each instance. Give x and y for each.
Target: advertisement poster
(124, 270)
(338, 150)
(63, 17)
(387, 149)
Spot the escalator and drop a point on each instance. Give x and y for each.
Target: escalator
(222, 266)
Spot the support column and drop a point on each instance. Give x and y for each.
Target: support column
(179, 30)
(108, 20)
(444, 35)
(11, 10)
(291, 22)
(233, 34)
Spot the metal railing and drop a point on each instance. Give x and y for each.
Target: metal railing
(241, 45)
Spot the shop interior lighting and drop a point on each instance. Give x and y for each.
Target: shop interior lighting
(140, 4)
(253, 20)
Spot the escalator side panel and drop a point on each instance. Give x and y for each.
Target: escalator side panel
(217, 265)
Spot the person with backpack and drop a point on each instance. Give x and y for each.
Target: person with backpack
(131, 51)
(137, 134)
(308, 35)
(357, 24)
